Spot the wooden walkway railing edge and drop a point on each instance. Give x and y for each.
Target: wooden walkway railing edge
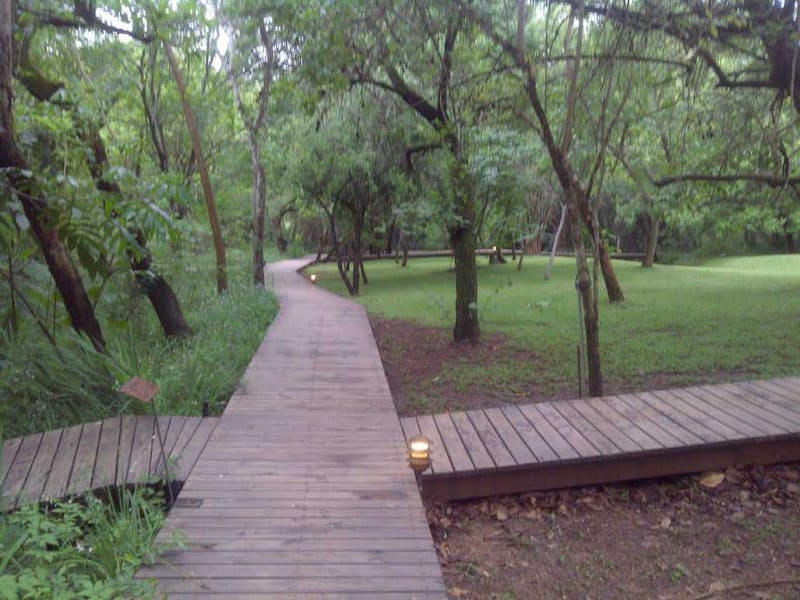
(560, 444)
(114, 452)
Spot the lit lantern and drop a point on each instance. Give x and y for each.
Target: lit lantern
(419, 453)
(313, 278)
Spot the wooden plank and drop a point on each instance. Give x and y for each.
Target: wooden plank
(349, 556)
(440, 458)
(735, 394)
(41, 467)
(778, 401)
(80, 479)
(603, 436)
(303, 586)
(410, 427)
(723, 417)
(699, 415)
(127, 431)
(491, 440)
(512, 440)
(790, 398)
(323, 569)
(687, 459)
(455, 447)
(105, 471)
(186, 434)
(667, 431)
(63, 461)
(541, 449)
(766, 422)
(156, 459)
(635, 427)
(141, 449)
(18, 472)
(10, 448)
(567, 430)
(193, 448)
(790, 384)
(176, 425)
(472, 442)
(679, 418)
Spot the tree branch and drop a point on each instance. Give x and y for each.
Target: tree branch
(762, 178)
(84, 17)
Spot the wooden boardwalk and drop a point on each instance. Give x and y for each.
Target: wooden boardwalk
(616, 438)
(304, 489)
(118, 451)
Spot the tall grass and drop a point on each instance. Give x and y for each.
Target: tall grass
(44, 386)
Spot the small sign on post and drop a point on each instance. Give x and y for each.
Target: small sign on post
(145, 391)
(140, 389)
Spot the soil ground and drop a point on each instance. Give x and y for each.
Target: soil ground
(429, 373)
(732, 535)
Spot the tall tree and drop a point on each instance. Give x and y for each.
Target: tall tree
(155, 286)
(512, 41)
(254, 120)
(22, 184)
(208, 190)
(413, 51)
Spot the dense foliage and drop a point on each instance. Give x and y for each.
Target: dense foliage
(139, 139)
(80, 549)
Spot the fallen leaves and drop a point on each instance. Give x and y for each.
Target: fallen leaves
(712, 479)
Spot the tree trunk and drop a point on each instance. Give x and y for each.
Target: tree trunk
(613, 288)
(467, 326)
(163, 299)
(651, 241)
(521, 256)
(356, 254)
(280, 240)
(549, 271)
(159, 292)
(790, 244)
(259, 211)
(390, 236)
(336, 249)
(590, 317)
(208, 192)
(320, 248)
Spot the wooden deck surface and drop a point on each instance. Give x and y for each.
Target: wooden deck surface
(566, 443)
(304, 489)
(114, 452)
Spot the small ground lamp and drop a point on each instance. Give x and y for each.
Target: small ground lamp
(313, 278)
(419, 453)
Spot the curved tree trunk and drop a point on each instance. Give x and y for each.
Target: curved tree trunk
(59, 263)
(651, 243)
(208, 192)
(158, 291)
(613, 289)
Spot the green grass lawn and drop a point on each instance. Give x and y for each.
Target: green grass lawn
(730, 318)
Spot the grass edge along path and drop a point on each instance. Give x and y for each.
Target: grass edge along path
(728, 319)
